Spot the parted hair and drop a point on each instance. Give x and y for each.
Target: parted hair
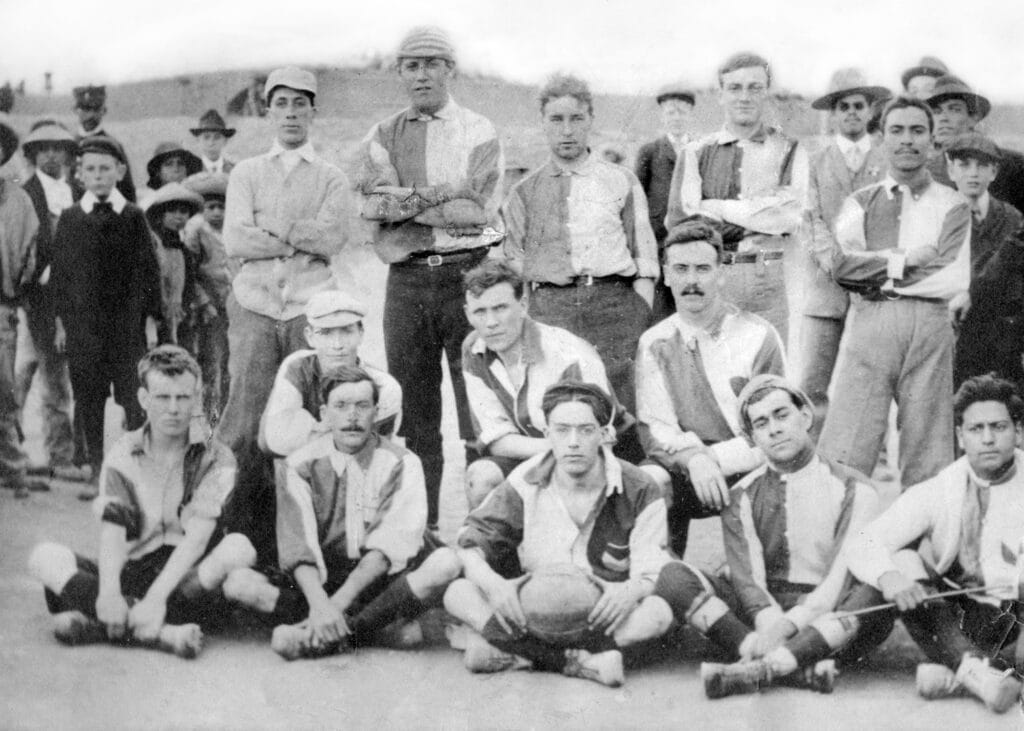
(695, 229)
(171, 360)
(560, 85)
(569, 390)
(907, 102)
(346, 374)
(490, 273)
(744, 60)
(988, 387)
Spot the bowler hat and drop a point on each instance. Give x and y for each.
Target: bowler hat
(170, 149)
(846, 82)
(927, 66)
(334, 308)
(170, 194)
(50, 133)
(213, 122)
(951, 87)
(974, 144)
(102, 145)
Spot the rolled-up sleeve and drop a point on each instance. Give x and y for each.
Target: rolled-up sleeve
(215, 485)
(398, 533)
(639, 235)
(648, 543)
(496, 526)
(298, 540)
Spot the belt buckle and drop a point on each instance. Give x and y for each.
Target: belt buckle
(435, 260)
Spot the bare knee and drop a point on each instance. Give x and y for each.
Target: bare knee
(482, 477)
(52, 564)
(650, 619)
(441, 568)
(460, 595)
(235, 551)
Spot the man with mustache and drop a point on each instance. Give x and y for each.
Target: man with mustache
(690, 368)
(902, 248)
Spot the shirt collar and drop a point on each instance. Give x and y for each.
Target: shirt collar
(142, 439)
(447, 112)
(116, 200)
(984, 203)
(726, 136)
(362, 458)
(530, 337)
(891, 185)
(214, 166)
(1010, 473)
(97, 131)
(677, 142)
(845, 144)
(541, 471)
(306, 152)
(555, 168)
(689, 331)
(805, 471)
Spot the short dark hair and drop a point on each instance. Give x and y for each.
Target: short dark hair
(907, 102)
(490, 273)
(561, 85)
(171, 360)
(760, 395)
(591, 394)
(744, 60)
(347, 374)
(695, 229)
(989, 387)
(308, 94)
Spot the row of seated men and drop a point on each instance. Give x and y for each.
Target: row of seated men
(816, 575)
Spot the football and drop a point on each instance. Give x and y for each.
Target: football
(557, 599)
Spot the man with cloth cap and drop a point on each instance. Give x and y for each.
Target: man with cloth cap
(51, 150)
(918, 81)
(784, 531)
(957, 110)
(287, 215)
(431, 180)
(654, 165)
(213, 133)
(91, 107)
(847, 163)
(334, 332)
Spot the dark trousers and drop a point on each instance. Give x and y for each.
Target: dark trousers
(684, 506)
(989, 343)
(423, 320)
(92, 375)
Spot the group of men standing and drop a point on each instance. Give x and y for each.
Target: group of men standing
(542, 303)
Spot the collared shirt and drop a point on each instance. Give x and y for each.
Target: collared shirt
(981, 206)
(155, 505)
(336, 507)
(549, 354)
(285, 226)
(57, 191)
(688, 381)
(453, 147)
(623, 539)
(881, 225)
(292, 416)
(214, 166)
(790, 529)
(848, 147)
(116, 200)
(591, 219)
(758, 183)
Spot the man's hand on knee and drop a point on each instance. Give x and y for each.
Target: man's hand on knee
(906, 593)
(708, 481)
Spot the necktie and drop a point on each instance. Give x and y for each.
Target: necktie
(976, 217)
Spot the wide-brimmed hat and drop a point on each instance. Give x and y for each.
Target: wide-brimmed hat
(50, 133)
(849, 81)
(170, 149)
(974, 144)
(90, 97)
(951, 87)
(170, 194)
(208, 185)
(676, 91)
(927, 66)
(103, 145)
(8, 141)
(211, 121)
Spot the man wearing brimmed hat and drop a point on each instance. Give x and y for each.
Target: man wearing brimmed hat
(784, 533)
(654, 165)
(431, 180)
(919, 80)
(213, 133)
(847, 163)
(991, 333)
(957, 110)
(902, 248)
(18, 228)
(689, 368)
(91, 107)
(51, 150)
(286, 216)
(751, 179)
(170, 163)
(334, 331)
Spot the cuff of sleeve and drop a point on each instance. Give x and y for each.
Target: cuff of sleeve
(799, 615)
(897, 262)
(735, 456)
(392, 554)
(767, 617)
(490, 436)
(646, 269)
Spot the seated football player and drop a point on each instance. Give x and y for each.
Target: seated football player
(334, 331)
(351, 530)
(781, 609)
(161, 493)
(508, 362)
(972, 517)
(575, 503)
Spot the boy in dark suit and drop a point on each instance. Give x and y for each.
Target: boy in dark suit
(106, 286)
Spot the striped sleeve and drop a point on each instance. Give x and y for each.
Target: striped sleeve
(496, 526)
(648, 540)
(298, 540)
(745, 555)
(397, 532)
(514, 215)
(639, 236)
(215, 485)
(483, 175)
(286, 425)
(852, 264)
(676, 214)
(117, 502)
(945, 269)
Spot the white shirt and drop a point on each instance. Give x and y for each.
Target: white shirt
(290, 158)
(212, 166)
(116, 199)
(57, 192)
(854, 152)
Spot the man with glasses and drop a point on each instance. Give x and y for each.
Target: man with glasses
(431, 177)
(751, 179)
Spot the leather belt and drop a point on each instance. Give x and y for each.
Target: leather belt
(585, 280)
(878, 295)
(750, 257)
(430, 259)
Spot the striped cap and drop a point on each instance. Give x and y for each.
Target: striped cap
(427, 42)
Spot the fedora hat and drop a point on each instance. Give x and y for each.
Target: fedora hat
(927, 66)
(951, 87)
(849, 81)
(211, 121)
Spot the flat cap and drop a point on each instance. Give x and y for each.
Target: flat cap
(208, 185)
(927, 66)
(426, 42)
(570, 389)
(334, 308)
(90, 97)
(763, 382)
(676, 91)
(976, 144)
(292, 77)
(103, 145)
(952, 87)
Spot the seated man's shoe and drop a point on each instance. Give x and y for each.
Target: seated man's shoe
(295, 641)
(75, 628)
(483, 657)
(251, 589)
(997, 689)
(601, 667)
(820, 677)
(936, 681)
(183, 640)
(721, 680)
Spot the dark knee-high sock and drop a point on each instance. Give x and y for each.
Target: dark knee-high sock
(935, 628)
(808, 647)
(394, 602)
(290, 607)
(541, 654)
(681, 588)
(79, 594)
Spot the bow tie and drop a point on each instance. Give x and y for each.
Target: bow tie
(100, 207)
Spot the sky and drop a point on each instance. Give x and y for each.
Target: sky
(620, 46)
